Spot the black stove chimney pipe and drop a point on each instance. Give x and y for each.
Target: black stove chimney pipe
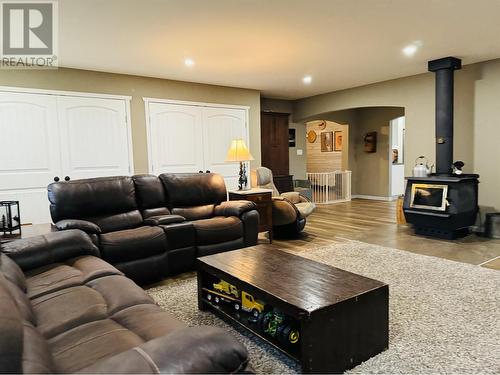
(444, 69)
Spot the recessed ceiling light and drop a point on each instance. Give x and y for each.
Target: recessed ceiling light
(307, 80)
(189, 62)
(412, 48)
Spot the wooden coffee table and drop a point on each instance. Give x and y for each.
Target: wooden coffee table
(328, 319)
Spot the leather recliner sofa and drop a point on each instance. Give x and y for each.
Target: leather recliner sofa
(65, 310)
(150, 227)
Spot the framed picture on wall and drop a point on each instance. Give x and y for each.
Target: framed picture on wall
(337, 143)
(370, 142)
(291, 137)
(326, 141)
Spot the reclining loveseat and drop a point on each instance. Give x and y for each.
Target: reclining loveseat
(65, 310)
(150, 227)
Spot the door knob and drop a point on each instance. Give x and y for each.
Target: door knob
(200, 171)
(207, 171)
(66, 178)
(56, 179)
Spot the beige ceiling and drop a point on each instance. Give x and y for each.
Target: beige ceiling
(269, 45)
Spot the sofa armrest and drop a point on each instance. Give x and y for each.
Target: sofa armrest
(55, 247)
(304, 199)
(164, 220)
(234, 208)
(194, 350)
(284, 211)
(292, 196)
(86, 226)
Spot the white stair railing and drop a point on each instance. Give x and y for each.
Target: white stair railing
(330, 187)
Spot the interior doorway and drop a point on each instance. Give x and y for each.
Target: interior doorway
(396, 157)
(370, 149)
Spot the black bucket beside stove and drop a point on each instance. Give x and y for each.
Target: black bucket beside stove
(442, 206)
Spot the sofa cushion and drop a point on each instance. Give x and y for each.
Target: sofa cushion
(147, 320)
(93, 197)
(129, 318)
(131, 244)
(195, 212)
(218, 229)
(188, 190)
(86, 344)
(119, 293)
(121, 221)
(68, 308)
(150, 195)
(74, 272)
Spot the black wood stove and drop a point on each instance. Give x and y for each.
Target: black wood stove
(444, 204)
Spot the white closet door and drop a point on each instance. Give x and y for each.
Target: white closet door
(29, 152)
(94, 137)
(175, 139)
(220, 127)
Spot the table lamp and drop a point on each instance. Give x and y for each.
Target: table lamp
(238, 151)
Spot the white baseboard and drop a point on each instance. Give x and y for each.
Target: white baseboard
(375, 197)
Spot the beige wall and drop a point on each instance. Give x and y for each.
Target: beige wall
(477, 118)
(486, 136)
(372, 169)
(139, 87)
(297, 162)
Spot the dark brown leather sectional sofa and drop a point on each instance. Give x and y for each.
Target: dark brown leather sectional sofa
(64, 310)
(150, 227)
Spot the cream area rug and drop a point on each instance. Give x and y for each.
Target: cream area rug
(444, 316)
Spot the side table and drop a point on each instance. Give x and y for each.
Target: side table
(264, 200)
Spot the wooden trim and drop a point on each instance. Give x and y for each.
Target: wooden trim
(28, 90)
(199, 104)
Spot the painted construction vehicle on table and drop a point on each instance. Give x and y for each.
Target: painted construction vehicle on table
(280, 327)
(241, 300)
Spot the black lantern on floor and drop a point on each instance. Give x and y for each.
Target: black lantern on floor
(10, 220)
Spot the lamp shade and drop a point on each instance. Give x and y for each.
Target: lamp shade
(238, 151)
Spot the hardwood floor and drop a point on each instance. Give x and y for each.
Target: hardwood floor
(375, 222)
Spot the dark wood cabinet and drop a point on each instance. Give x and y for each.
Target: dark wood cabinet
(274, 142)
(284, 183)
(263, 199)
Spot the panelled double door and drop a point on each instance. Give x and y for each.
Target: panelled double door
(194, 138)
(47, 137)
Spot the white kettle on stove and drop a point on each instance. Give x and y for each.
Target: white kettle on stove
(421, 168)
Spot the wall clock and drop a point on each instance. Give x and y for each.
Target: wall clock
(311, 136)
